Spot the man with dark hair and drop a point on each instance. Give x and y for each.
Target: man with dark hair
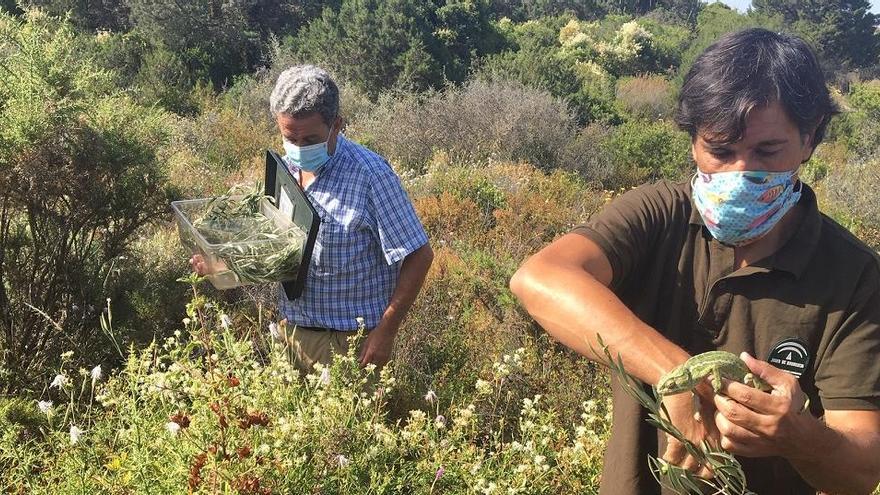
(737, 259)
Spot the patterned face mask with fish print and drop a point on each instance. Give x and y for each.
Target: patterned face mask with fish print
(740, 207)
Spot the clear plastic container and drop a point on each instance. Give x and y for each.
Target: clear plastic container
(223, 261)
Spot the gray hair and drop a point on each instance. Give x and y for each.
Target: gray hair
(304, 89)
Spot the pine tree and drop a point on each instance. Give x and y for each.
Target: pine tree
(842, 31)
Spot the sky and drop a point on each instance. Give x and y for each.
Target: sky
(742, 5)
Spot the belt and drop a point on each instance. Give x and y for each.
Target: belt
(314, 329)
(321, 329)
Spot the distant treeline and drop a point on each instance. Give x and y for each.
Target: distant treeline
(168, 47)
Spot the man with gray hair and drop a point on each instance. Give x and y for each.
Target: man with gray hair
(371, 255)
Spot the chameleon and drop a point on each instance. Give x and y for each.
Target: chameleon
(713, 364)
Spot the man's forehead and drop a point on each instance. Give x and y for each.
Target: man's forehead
(763, 125)
(302, 126)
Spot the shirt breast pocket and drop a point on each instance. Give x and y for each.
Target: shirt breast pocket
(332, 251)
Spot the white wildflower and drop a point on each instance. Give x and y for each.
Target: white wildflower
(430, 397)
(45, 406)
(60, 381)
(325, 376)
(173, 428)
(75, 433)
(342, 461)
(273, 331)
(360, 322)
(440, 422)
(483, 387)
(225, 321)
(96, 374)
(186, 321)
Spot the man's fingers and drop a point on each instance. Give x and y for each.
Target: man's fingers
(766, 371)
(675, 452)
(705, 473)
(735, 438)
(691, 464)
(752, 398)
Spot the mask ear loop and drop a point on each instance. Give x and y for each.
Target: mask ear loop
(798, 182)
(328, 140)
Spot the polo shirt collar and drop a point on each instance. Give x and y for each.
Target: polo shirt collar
(795, 254)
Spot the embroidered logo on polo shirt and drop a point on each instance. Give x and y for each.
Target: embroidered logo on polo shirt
(790, 355)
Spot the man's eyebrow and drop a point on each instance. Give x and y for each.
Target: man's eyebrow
(715, 144)
(720, 144)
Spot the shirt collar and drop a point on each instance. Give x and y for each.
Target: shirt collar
(341, 147)
(794, 256)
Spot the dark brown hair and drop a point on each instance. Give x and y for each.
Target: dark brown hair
(751, 69)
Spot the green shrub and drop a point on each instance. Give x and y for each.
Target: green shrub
(399, 44)
(537, 61)
(79, 176)
(859, 126)
(651, 150)
(213, 40)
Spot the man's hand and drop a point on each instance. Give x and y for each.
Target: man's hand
(377, 347)
(759, 424)
(696, 426)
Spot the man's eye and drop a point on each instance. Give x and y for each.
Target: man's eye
(719, 153)
(766, 153)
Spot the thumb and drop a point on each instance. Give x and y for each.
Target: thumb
(675, 451)
(765, 371)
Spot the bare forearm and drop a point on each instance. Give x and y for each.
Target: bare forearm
(839, 462)
(410, 280)
(574, 308)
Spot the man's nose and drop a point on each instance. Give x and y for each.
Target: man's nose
(740, 163)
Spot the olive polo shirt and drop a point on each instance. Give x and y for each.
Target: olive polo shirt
(812, 308)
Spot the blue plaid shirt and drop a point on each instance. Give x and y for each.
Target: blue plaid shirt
(368, 226)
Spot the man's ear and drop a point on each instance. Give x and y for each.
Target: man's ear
(807, 147)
